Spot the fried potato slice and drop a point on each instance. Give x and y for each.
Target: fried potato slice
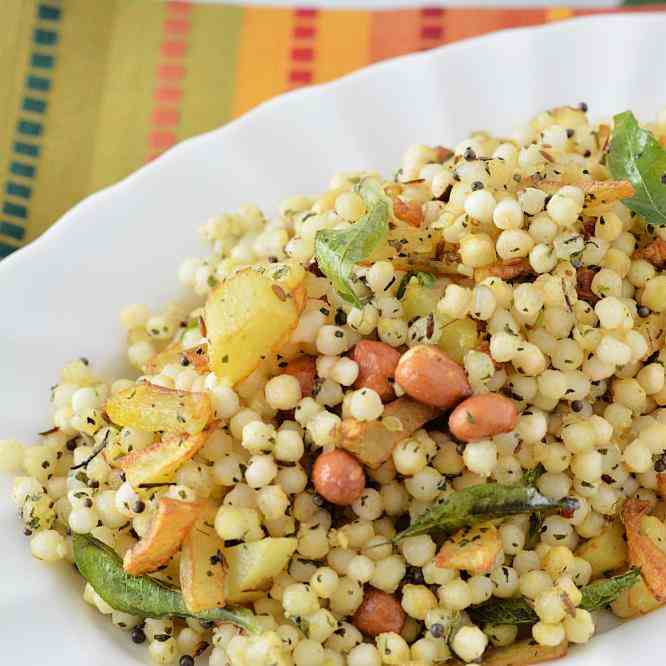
(600, 195)
(174, 354)
(372, 442)
(643, 551)
(472, 549)
(202, 565)
(154, 408)
(172, 522)
(250, 566)
(250, 315)
(158, 462)
(524, 653)
(605, 552)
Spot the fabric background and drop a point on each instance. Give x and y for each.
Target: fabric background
(92, 89)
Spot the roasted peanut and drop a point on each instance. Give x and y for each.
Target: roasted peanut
(430, 376)
(338, 477)
(483, 416)
(379, 613)
(305, 370)
(377, 362)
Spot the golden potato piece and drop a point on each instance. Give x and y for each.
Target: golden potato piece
(641, 600)
(174, 354)
(252, 565)
(372, 442)
(158, 462)
(154, 408)
(472, 549)
(599, 194)
(643, 551)
(250, 315)
(524, 653)
(202, 566)
(172, 522)
(605, 552)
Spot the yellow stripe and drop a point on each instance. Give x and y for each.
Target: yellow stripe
(335, 56)
(558, 13)
(17, 22)
(124, 113)
(263, 56)
(71, 119)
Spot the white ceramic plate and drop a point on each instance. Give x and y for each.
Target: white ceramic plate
(60, 296)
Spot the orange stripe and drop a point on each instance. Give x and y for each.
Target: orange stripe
(558, 13)
(394, 33)
(262, 56)
(464, 23)
(335, 56)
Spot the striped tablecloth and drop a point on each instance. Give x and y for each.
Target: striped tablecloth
(92, 89)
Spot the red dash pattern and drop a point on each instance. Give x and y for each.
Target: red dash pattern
(170, 73)
(300, 68)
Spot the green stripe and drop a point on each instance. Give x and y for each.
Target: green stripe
(18, 190)
(22, 169)
(21, 148)
(38, 83)
(29, 127)
(42, 60)
(6, 249)
(45, 37)
(16, 210)
(34, 105)
(49, 13)
(11, 230)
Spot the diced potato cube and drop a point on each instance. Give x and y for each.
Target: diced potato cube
(605, 552)
(372, 442)
(172, 522)
(155, 408)
(158, 462)
(458, 337)
(472, 549)
(202, 566)
(253, 565)
(250, 315)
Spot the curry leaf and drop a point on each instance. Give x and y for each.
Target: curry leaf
(337, 251)
(635, 155)
(518, 611)
(476, 504)
(142, 595)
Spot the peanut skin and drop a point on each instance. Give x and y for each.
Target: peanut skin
(338, 477)
(377, 362)
(378, 613)
(483, 416)
(430, 376)
(305, 370)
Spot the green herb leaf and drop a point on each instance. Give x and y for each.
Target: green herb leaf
(635, 155)
(531, 476)
(337, 251)
(142, 595)
(517, 611)
(605, 590)
(477, 504)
